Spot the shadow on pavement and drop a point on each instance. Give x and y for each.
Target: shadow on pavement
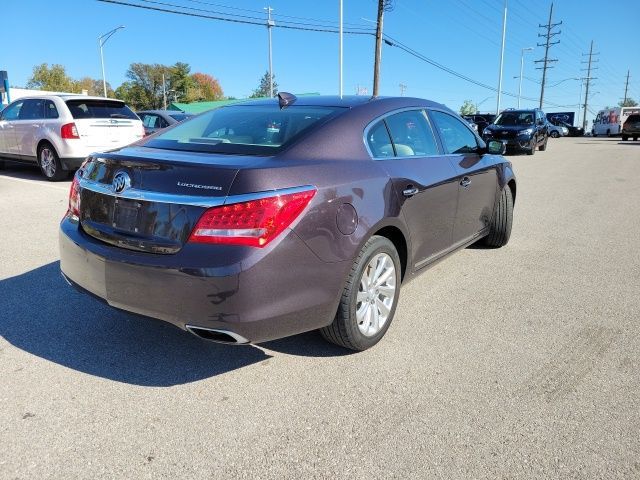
(26, 172)
(41, 314)
(309, 344)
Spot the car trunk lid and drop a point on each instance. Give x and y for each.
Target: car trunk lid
(151, 202)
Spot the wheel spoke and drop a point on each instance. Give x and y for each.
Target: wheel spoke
(383, 278)
(382, 308)
(387, 290)
(375, 319)
(362, 297)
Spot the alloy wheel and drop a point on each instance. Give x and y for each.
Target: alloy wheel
(48, 162)
(376, 294)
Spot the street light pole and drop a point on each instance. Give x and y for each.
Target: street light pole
(504, 32)
(102, 39)
(521, 71)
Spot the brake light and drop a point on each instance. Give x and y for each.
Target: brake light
(69, 131)
(74, 198)
(254, 223)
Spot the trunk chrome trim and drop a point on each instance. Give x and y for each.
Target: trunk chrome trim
(192, 200)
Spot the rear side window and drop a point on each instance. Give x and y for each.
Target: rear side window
(457, 137)
(249, 129)
(32, 110)
(379, 141)
(99, 109)
(411, 134)
(50, 110)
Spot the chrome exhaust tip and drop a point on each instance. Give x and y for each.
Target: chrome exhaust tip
(215, 335)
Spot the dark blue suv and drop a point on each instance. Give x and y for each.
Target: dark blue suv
(520, 130)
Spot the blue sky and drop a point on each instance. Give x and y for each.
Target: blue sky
(463, 35)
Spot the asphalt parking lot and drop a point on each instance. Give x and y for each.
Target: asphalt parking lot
(520, 362)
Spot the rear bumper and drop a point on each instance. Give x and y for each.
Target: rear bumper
(265, 295)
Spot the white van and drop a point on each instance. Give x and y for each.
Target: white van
(57, 132)
(610, 120)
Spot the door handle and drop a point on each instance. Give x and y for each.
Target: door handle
(465, 182)
(410, 192)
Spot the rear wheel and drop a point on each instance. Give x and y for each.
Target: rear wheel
(608, 133)
(635, 139)
(555, 134)
(369, 297)
(624, 138)
(49, 163)
(2, 164)
(500, 226)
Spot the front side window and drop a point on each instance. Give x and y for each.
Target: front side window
(244, 129)
(12, 112)
(457, 137)
(411, 134)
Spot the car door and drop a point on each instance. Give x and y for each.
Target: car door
(10, 115)
(477, 176)
(27, 126)
(423, 178)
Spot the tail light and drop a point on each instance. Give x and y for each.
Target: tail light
(74, 198)
(69, 131)
(254, 223)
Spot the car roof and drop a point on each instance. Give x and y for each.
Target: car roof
(347, 101)
(165, 112)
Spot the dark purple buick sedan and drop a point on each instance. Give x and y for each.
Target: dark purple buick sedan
(274, 217)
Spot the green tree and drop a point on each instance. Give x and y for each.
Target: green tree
(143, 90)
(468, 108)
(629, 102)
(263, 89)
(180, 81)
(52, 78)
(92, 86)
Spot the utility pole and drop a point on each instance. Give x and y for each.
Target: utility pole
(378, 59)
(164, 92)
(340, 56)
(546, 60)
(588, 79)
(504, 31)
(626, 89)
(270, 25)
(403, 87)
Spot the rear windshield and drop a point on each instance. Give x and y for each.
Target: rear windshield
(248, 130)
(178, 117)
(511, 119)
(633, 118)
(99, 109)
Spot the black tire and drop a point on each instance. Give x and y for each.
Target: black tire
(624, 138)
(344, 330)
(635, 139)
(49, 163)
(608, 133)
(543, 147)
(555, 134)
(534, 145)
(2, 164)
(500, 226)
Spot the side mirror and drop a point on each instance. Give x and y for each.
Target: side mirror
(495, 147)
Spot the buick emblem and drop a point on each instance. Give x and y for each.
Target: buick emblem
(121, 181)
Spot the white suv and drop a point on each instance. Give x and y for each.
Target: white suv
(59, 131)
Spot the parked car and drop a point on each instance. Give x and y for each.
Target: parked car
(523, 130)
(274, 217)
(631, 127)
(57, 132)
(471, 123)
(556, 131)
(483, 120)
(573, 130)
(154, 120)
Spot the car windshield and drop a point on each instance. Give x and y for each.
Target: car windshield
(99, 109)
(178, 117)
(249, 129)
(512, 119)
